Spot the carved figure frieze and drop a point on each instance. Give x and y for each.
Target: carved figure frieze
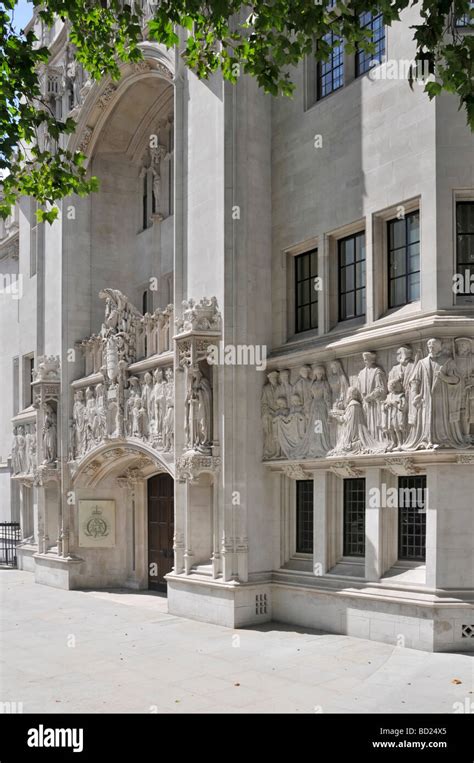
(143, 409)
(424, 399)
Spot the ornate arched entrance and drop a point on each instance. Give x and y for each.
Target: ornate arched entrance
(130, 486)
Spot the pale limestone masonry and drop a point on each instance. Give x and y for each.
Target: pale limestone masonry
(208, 192)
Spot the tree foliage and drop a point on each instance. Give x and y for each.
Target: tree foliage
(262, 39)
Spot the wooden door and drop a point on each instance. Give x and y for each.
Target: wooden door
(160, 529)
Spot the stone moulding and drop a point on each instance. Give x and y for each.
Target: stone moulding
(295, 472)
(191, 465)
(345, 469)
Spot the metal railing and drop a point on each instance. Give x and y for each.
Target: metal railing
(10, 536)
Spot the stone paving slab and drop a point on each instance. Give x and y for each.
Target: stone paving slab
(120, 651)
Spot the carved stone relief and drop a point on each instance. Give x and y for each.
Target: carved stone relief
(422, 403)
(121, 404)
(24, 459)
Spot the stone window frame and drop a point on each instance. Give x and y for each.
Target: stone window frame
(289, 254)
(310, 75)
(373, 17)
(26, 374)
(290, 557)
(145, 176)
(380, 296)
(405, 247)
(331, 274)
(298, 552)
(359, 284)
(460, 195)
(314, 296)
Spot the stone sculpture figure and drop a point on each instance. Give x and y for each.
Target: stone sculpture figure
(201, 406)
(337, 380)
(15, 453)
(464, 363)
(372, 386)
(49, 436)
(148, 401)
(269, 406)
(281, 413)
(100, 422)
(316, 441)
(132, 393)
(404, 370)
(21, 445)
(138, 418)
(168, 426)
(284, 387)
(78, 415)
(160, 400)
(354, 435)
(438, 401)
(302, 387)
(89, 419)
(30, 438)
(394, 414)
(289, 425)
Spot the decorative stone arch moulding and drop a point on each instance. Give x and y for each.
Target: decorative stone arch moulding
(122, 458)
(99, 98)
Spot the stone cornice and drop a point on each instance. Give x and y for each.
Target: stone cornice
(378, 335)
(416, 459)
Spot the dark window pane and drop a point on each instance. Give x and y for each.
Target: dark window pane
(360, 247)
(397, 234)
(412, 518)
(465, 217)
(347, 251)
(354, 517)
(364, 60)
(404, 260)
(360, 273)
(466, 248)
(413, 287)
(306, 295)
(413, 228)
(304, 516)
(351, 276)
(360, 302)
(398, 292)
(348, 306)
(305, 318)
(397, 263)
(465, 240)
(303, 293)
(330, 73)
(347, 278)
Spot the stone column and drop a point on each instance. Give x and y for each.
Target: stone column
(180, 499)
(373, 524)
(216, 556)
(188, 553)
(321, 511)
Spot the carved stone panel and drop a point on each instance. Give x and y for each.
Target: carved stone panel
(422, 399)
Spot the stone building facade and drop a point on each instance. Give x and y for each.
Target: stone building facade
(244, 369)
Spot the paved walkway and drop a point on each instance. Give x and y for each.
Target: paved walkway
(79, 651)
